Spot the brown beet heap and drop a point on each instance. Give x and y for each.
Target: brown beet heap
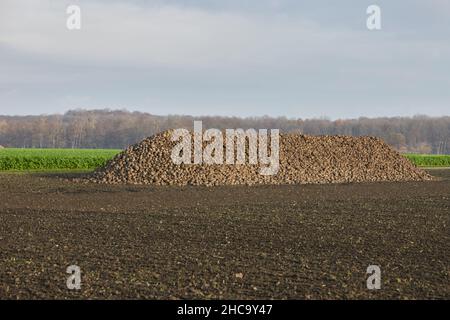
(303, 159)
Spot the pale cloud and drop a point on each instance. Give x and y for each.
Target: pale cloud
(171, 36)
(163, 36)
(241, 57)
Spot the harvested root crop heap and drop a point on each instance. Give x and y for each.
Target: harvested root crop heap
(302, 159)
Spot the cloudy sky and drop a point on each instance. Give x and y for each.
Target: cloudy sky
(230, 57)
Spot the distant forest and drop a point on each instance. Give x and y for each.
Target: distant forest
(119, 129)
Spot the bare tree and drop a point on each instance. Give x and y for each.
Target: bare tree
(120, 128)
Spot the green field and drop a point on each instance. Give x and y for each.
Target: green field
(429, 160)
(54, 159)
(88, 159)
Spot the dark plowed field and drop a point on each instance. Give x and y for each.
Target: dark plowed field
(281, 242)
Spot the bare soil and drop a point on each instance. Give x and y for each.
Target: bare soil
(226, 242)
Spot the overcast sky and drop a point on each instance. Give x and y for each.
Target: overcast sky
(230, 57)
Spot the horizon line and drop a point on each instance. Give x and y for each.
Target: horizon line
(321, 117)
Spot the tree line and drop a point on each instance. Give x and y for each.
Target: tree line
(121, 128)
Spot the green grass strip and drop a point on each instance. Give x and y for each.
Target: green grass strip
(14, 159)
(429, 160)
(54, 159)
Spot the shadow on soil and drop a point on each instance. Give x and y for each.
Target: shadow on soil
(442, 173)
(62, 175)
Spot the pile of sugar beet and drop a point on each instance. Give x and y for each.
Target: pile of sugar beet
(303, 159)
